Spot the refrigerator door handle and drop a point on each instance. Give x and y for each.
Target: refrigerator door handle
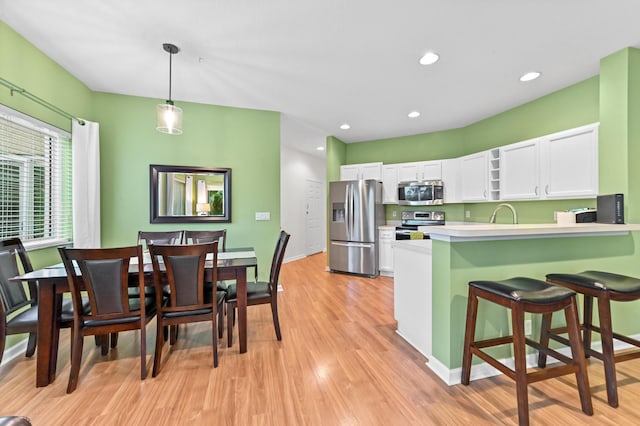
(361, 245)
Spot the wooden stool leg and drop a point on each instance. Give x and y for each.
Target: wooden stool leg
(519, 355)
(469, 335)
(587, 321)
(606, 334)
(577, 353)
(545, 326)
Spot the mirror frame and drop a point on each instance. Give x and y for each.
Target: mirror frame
(155, 169)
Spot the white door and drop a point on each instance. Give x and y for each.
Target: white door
(314, 217)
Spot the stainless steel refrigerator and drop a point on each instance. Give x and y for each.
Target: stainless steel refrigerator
(356, 213)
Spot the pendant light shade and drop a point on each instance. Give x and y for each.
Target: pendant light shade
(169, 116)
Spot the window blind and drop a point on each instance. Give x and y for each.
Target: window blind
(35, 180)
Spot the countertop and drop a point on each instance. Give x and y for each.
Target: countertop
(486, 231)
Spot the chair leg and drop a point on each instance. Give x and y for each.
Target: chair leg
(143, 348)
(214, 337)
(31, 345)
(588, 321)
(173, 335)
(545, 326)
(577, 353)
(231, 309)
(220, 321)
(276, 321)
(161, 332)
(606, 333)
(76, 358)
(3, 340)
(469, 336)
(519, 355)
(104, 344)
(114, 340)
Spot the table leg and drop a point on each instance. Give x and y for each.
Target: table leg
(45, 371)
(241, 288)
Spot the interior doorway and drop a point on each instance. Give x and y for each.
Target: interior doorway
(313, 209)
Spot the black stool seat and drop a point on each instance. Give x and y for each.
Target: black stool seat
(600, 280)
(520, 295)
(522, 289)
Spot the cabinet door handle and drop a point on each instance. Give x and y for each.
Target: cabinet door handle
(546, 189)
(536, 191)
(485, 193)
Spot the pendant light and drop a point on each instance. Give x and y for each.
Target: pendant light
(169, 116)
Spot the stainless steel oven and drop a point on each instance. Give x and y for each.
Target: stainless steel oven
(411, 221)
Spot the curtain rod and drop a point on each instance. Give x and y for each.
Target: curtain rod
(17, 89)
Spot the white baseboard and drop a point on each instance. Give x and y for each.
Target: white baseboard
(483, 370)
(14, 351)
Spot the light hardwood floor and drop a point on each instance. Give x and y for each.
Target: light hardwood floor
(340, 362)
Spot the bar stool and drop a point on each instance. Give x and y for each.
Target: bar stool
(522, 295)
(605, 287)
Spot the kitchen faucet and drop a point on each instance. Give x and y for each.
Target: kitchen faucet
(500, 206)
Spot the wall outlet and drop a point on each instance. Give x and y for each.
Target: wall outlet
(527, 327)
(263, 215)
(394, 213)
(467, 214)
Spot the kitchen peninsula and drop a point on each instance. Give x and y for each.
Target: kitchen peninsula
(431, 278)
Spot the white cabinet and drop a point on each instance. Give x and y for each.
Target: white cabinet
(361, 171)
(474, 176)
(560, 165)
(420, 170)
(386, 236)
(451, 180)
(520, 170)
(389, 184)
(570, 163)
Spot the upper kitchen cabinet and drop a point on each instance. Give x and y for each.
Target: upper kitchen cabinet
(451, 180)
(520, 170)
(560, 165)
(361, 171)
(420, 170)
(475, 172)
(389, 184)
(569, 162)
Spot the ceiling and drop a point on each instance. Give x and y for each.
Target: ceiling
(329, 62)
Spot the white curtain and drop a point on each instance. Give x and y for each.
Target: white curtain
(86, 184)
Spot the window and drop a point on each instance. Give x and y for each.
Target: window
(35, 180)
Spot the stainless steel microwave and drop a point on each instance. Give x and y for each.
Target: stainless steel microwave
(421, 193)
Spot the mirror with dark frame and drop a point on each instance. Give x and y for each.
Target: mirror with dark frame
(183, 194)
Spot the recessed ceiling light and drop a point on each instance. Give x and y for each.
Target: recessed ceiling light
(414, 114)
(530, 76)
(345, 126)
(320, 148)
(429, 58)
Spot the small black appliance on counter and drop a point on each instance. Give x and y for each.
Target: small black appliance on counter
(610, 208)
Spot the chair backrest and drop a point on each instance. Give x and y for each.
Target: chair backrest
(104, 274)
(276, 263)
(184, 268)
(146, 238)
(200, 237)
(12, 294)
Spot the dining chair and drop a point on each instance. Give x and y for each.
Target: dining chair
(159, 237)
(259, 292)
(14, 318)
(103, 273)
(189, 301)
(208, 236)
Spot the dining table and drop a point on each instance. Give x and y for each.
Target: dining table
(52, 284)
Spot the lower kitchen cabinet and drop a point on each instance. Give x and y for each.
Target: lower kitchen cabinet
(386, 236)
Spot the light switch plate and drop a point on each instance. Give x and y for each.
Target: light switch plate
(263, 216)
